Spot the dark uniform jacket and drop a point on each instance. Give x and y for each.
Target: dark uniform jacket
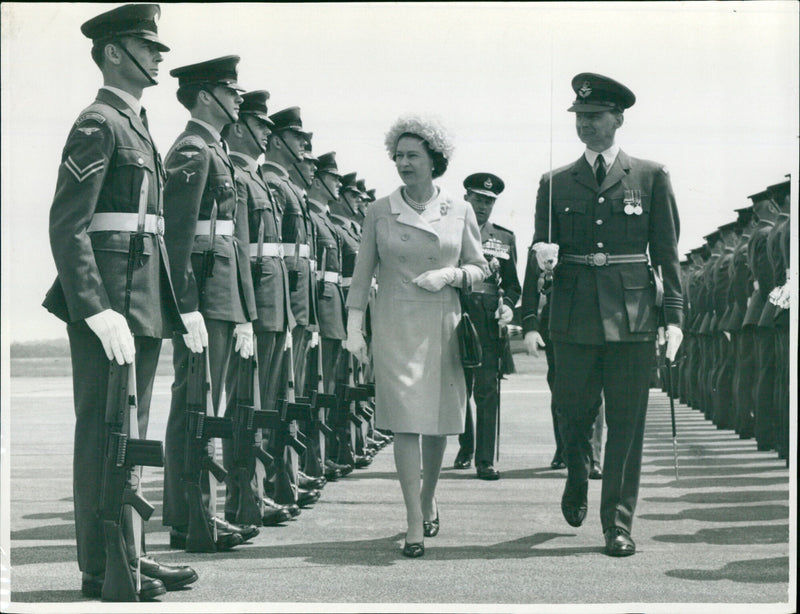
(593, 305)
(199, 173)
(762, 272)
(296, 229)
(500, 251)
(330, 301)
(270, 278)
(108, 154)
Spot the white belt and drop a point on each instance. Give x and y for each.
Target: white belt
(267, 249)
(224, 228)
(289, 250)
(346, 281)
(331, 276)
(126, 222)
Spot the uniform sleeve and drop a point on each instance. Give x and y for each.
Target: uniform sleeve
(187, 167)
(242, 232)
(542, 231)
(529, 309)
(471, 258)
(366, 263)
(510, 278)
(663, 241)
(85, 162)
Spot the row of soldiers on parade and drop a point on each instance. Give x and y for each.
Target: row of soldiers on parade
(246, 267)
(735, 366)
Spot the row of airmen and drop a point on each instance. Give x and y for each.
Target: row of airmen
(735, 358)
(234, 260)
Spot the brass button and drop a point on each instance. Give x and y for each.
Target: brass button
(601, 200)
(599, 244)
(566, 209)
(140, 162)
(599, 222)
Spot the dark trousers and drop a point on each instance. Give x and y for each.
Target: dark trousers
(300, 339)
(782, 390)
(484, 387)
(765, 412)
(269, 357)
(220, 344)
(723, 375)
(744, 380)
(621, 371)
(90, 389)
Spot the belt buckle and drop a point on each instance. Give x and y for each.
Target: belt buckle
(599, 259)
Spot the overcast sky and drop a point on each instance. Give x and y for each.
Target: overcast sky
(716, 87)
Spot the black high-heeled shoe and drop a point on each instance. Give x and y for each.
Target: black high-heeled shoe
(430, 528)
(413, 551)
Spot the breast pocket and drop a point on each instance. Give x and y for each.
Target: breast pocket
(571, 220)
(223, 191)
(130, 167)
(639, 293)
(562, 296)
(632, 213)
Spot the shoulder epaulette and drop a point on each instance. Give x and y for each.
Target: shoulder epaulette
(499, 227)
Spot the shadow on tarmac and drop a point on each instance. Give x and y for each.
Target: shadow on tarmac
(733, 482)
(746, 513)
(746, 496)
(754, 571)
(733, 536)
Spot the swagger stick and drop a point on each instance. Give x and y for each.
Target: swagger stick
(668, 369)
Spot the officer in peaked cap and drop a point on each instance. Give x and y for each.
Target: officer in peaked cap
(490, 306)
(605, 218)
(371, 195)
(111, 177)
(202, 217)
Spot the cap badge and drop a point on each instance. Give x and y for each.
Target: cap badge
(585, 90)
(488, 183)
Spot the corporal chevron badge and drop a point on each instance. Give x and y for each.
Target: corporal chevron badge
(87, 171)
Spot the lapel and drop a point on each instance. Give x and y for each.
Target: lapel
(406, 215)
(582, 173)
(617, 172)
(135, 121)
(213, 144)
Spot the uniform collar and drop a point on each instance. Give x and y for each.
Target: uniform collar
(274, 167)
(609, 156)
(249, 163)
(209, 128)
(130, 100)
(318, 205)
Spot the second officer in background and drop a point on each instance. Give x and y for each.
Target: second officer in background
(490, 306)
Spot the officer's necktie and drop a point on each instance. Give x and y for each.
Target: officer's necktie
(600, 171)
(143, 116)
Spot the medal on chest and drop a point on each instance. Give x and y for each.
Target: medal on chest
(633, 202)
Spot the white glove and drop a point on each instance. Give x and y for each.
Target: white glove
(780, 296)
(314, 342)
(674, 338)
(243, 333)
(504, 314)
(111, 328)
(546, 255)
(436, 279)
(356, 344)
(533, 341)
(196, 337)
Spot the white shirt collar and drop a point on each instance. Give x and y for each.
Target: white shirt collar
(127, 98)
(214, 132)
(609, 156)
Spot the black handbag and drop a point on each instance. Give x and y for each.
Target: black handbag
(469, 343)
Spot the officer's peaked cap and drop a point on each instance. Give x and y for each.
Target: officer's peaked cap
(219, 71)
(596, 93)
(485, 183)
(349, 183)
(137, 20)
(326, 163)
(255, 103)
(288, 119)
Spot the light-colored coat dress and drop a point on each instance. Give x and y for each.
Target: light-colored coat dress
(419, 380)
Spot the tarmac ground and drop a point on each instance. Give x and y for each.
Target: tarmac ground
(718, 534)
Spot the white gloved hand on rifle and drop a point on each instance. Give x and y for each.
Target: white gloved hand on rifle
(243, 333)
(111, 328)
(196, 337)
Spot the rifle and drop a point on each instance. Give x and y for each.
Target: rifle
(202, 425)
(348, 395)
(363, 409)
(287, 444)
(123, 452)
(319, 429)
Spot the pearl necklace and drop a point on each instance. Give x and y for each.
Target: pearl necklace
(419, 206)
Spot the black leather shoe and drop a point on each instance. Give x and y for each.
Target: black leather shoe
(173, 576)
(343, 469)
(557, 463)
(596, 473)
(362, 461)
(307, 497)
(92, 587)
(574, 503)
(430, 528)
(413, 551)
(463, 459)
(487, 472)
(619, 542)
(307, 482)
(275, 513)
(247, 531)
(332, 474)
(226, 540)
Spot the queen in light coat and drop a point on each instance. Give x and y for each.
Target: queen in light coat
(420, 243)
